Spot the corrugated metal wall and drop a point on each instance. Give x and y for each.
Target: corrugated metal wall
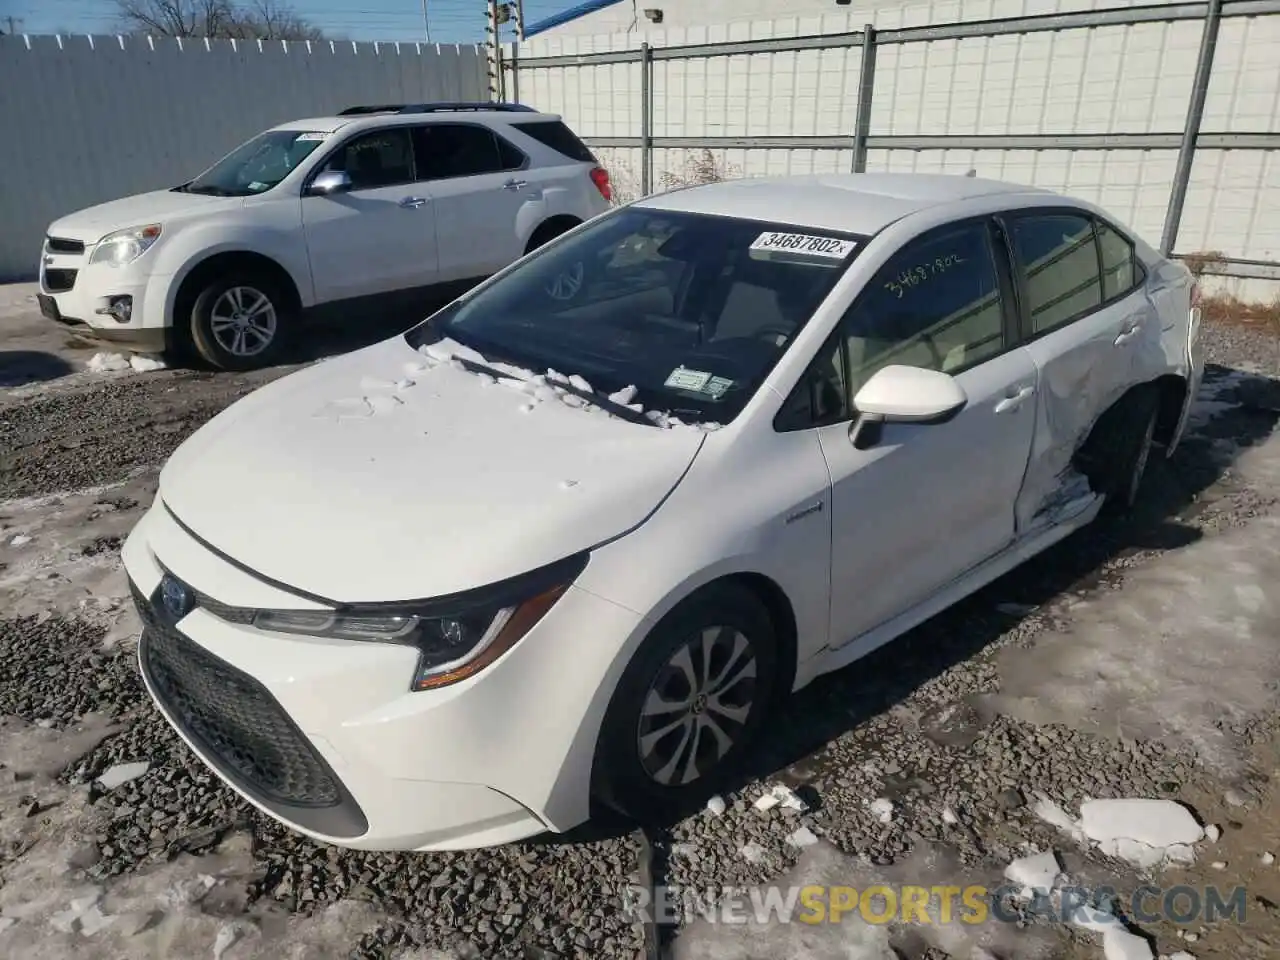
(84, 120)
(1113, 79)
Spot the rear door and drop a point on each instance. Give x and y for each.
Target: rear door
(478, 184)
(378, 237)
(1083, 327)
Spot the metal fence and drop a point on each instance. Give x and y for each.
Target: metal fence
(84, 120)
(523, 71)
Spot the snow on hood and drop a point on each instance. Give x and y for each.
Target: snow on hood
(93, 223)
(390, 474)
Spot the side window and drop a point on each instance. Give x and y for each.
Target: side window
(1058, 265)
(935, 304)
(445, 150)
(822, 394)
(1119, 262)
(379, 159)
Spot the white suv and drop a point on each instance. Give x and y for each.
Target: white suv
(375, 200)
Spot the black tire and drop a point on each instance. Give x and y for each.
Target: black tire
(1115, 456)
(629, 780)
(215, 331)
(548, 232)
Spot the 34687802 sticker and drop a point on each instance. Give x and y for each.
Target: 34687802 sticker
(831, 248)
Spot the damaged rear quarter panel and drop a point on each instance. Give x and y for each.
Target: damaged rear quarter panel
(1082, 372)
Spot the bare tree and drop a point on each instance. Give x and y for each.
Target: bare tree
(254, 20)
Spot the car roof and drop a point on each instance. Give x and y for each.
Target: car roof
(861, 203)
(330, 124)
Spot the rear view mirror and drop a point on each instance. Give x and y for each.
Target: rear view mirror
(901, 394)
(331, 181)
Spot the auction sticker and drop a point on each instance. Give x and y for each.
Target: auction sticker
(682, 378)
(832, 248)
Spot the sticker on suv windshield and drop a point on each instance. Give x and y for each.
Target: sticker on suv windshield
(831, 248)
(308, 137)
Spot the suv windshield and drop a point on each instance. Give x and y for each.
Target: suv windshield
(257, 165)
(690, 310)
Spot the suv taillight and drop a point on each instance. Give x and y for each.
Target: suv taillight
(600, 177)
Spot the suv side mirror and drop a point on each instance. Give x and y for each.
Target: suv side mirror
(901, 394)
(331, 181)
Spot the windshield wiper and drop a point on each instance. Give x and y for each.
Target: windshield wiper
(209, 190)
(591, 396)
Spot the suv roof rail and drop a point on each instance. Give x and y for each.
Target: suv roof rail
(436, 108)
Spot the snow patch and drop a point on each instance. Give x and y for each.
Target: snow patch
(1212, 833)
(121, 773)
(20, 540)
(882, 809)
(802, 837)
(103, 362)
(1037, 873)
(146, 363)
(715, 806)
(1119, 944)
(780, 795)
(1145, 832)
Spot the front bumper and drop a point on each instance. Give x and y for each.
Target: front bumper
(78, 295)
(326, 737)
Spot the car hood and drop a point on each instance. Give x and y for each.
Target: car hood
(93, 223)
(384, 475)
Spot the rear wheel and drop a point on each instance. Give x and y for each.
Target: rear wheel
(239, 321)
(689, 705)
(1116, 454)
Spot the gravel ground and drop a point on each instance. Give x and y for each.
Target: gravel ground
(915, 723)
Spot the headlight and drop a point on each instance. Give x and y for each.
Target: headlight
(455, 637)
(125, 246)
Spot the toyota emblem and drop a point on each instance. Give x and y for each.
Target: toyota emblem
(176, 596)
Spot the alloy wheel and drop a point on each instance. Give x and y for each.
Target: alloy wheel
(243, 321)
(697, 706)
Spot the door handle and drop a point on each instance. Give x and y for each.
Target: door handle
(1128, 335)
(1014, 400)
(412, 203)
(515, 184)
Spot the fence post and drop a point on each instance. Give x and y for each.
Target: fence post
(1195, 111)
(646, 119)
(515, 72)
(866, 86)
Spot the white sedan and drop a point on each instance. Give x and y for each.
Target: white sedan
(572, 538)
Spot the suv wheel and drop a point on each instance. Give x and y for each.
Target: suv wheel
(238, 322)
(688, 705)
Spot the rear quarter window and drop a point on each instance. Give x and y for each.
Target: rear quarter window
(557, 136)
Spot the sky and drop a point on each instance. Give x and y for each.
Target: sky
(450, 21)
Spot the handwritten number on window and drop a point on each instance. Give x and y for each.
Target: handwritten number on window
(914, 276)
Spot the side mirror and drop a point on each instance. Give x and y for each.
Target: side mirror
(329, 182)
(900, 394)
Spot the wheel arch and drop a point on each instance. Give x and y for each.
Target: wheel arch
(201, 271)
(1171, 397)
(553, 225)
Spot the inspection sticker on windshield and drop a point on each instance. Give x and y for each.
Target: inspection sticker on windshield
(829, 247)
(682, 378)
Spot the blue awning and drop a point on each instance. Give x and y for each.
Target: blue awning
(565, 16)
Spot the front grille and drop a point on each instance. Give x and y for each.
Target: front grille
(63, 245)
(59, 280)
(232, 718)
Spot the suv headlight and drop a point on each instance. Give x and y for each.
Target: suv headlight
(456, 637)
(125, 246)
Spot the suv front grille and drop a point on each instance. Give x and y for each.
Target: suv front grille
(233, 718)
(62, 245)
(57, 280)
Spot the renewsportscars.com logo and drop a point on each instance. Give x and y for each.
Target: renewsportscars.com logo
(932, 905)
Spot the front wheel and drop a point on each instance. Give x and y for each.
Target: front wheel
(688, 706)
(238, 322)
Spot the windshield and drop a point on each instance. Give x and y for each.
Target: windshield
(692, 311)
(257, 165)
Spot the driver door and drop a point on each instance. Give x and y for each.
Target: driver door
(379, 236)
(927, 502)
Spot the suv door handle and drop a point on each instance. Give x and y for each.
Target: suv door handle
(412, 203)
(515, 184)
(1014, 400)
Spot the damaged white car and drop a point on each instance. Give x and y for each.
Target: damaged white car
(572, 538)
